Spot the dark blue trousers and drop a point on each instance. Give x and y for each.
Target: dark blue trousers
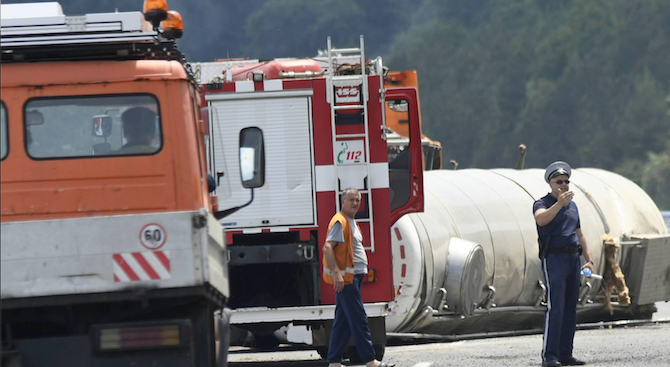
(561, 275)
(350, 319)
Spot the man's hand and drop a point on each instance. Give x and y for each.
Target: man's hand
(338, 282)
(329, 255)
(564, 197)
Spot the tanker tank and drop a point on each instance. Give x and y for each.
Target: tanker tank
(469, 263)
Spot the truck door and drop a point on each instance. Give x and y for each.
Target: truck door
(405, 169)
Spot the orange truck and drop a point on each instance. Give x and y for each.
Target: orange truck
(111, 253)
(398, 124)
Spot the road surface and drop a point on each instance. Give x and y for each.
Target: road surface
(632, 346)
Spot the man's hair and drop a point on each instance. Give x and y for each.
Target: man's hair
(349, 190)
(139, 123)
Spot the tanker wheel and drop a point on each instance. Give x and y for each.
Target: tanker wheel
(266, 343)
(352, 353)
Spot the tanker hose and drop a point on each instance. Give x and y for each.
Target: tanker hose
(585, 295)
(489, 300)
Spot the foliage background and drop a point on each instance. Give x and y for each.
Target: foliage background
(587, 82)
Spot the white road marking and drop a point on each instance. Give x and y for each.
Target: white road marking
(423, 364)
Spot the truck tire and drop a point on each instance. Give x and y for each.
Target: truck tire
(204, 338)
(380, 349)
(224, 337)
(266, 343)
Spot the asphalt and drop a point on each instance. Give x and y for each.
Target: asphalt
(606, 346)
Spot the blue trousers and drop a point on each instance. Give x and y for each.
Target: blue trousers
(350, 320)
(561, 274)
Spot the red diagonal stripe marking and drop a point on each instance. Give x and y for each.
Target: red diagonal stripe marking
(116, 280)
(163, 259)
(125, 267)
(397, 234)
(145, 265)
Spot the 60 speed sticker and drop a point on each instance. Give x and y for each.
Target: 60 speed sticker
(153, 236)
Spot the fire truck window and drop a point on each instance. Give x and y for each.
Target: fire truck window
(399, 156)
(92, 126)
(398, 112)
(3, 133)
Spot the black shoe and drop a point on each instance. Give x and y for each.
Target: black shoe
(552, 363)
(572, 361)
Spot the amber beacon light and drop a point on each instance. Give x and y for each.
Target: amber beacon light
(155, 11)
(173, 26)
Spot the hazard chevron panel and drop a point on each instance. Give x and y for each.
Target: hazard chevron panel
(140, 266)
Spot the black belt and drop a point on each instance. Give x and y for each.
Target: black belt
(565, 250)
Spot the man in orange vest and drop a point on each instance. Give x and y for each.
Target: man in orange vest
(344, 266)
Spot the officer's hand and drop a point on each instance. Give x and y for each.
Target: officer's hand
(338, 282)
(588, 265)
(564, 197)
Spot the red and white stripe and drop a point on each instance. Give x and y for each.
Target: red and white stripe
(141, 266)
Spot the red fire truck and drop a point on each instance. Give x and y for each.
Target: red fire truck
(323, 122)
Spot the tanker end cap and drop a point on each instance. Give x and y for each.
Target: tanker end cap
(557, 168)
(155, 11)
(173, 26)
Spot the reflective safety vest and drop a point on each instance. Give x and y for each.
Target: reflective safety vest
(344, 252)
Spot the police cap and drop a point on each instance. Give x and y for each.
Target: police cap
(555, 169)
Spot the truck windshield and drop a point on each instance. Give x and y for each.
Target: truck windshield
(92, 126)
(3, 133)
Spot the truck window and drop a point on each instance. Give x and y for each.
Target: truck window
(92, 126)
(399, 156)
(3, 132)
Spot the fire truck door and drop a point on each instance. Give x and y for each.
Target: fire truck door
(406, 169)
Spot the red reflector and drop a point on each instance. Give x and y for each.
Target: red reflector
(404, 269)
(371, 277)
(402, 252)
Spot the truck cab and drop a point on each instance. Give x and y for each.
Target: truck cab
(111, 252)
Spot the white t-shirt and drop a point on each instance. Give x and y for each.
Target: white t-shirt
(360, 258)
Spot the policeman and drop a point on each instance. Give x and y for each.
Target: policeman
(561, 243)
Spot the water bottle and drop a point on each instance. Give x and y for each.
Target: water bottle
(587, 273)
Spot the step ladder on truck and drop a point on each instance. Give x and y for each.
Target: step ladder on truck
(323, 124)
(111, 253)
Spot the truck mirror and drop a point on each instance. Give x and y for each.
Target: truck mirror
(252, 157)
(398, 105)
(211, 183)
(102, 126)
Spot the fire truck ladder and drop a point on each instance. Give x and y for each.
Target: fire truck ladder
(359, 81)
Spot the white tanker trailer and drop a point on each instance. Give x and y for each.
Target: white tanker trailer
(469, 263)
